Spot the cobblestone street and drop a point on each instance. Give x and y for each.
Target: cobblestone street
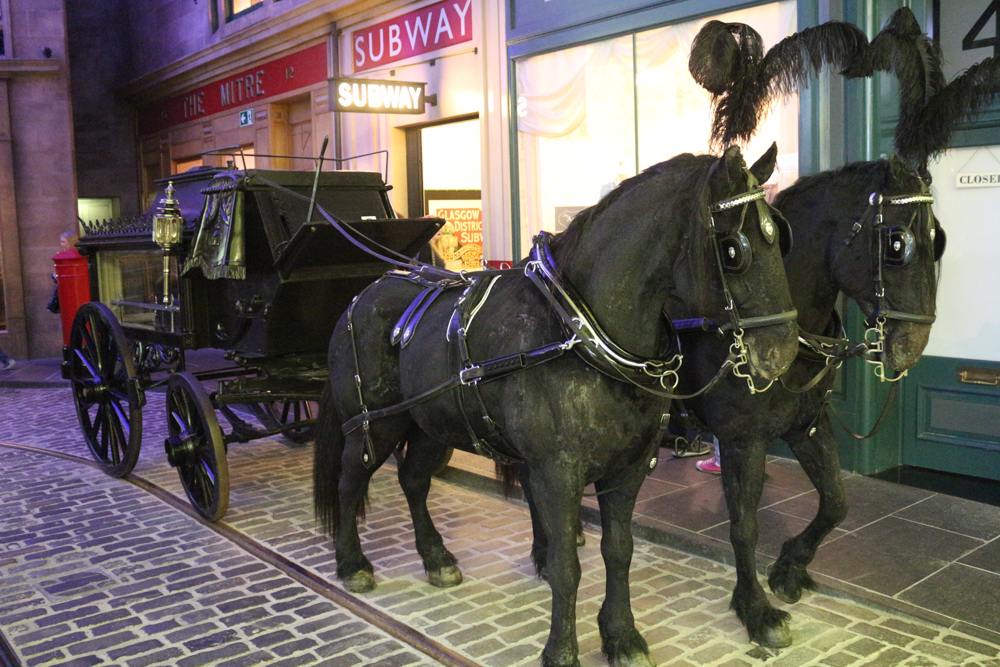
(97, 571)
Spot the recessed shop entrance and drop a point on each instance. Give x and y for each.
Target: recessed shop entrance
(444, 180)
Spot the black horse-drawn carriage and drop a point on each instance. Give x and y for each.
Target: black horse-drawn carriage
(246, 262)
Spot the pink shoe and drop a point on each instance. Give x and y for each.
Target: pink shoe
(710, 466)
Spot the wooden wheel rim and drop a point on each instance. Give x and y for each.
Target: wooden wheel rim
(105, 391)
(204, 473)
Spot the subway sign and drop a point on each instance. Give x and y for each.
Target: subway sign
(369, 96)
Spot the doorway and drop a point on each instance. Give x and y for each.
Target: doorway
(444, 180)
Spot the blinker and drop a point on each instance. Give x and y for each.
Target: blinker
(736, 252)
(899, 246)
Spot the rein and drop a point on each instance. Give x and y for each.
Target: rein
(738, 351)
(873, 346)
(875, 333)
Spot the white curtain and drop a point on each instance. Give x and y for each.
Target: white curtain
(580, 109)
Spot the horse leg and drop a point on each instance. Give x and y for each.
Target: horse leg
(821, 461)
(539, 540)
(423, 455)
(559, 515)
(621, 643)
(353, 567)
(743, 481)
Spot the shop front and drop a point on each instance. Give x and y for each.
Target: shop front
(599, 93)
(446, 158)
(274, 106)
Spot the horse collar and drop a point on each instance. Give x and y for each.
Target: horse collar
(590, 340)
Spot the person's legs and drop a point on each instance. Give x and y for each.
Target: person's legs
(712, 465)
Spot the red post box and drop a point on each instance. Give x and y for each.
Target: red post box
(73, 281)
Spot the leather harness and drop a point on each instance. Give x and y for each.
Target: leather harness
(654, 375)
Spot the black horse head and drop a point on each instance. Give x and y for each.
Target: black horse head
(867, 230)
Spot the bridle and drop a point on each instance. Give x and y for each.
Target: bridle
(733, 256)
(892, 247)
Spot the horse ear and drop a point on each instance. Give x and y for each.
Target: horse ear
(725, 172)
(764, 166)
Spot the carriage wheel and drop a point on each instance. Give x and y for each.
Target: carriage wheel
(196, 447)
(288, 412)
(105, 389)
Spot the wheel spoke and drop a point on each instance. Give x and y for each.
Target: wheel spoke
(92, 332)
(114, 439)
(123, 418)
(86, 363)
(206, 482)
(102, 429)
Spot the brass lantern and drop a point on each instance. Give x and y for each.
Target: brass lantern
(168, 226)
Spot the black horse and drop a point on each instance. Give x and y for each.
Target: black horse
(828, 257)
(866, 230)
(591, 416)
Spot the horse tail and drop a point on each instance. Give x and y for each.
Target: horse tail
(327, 452)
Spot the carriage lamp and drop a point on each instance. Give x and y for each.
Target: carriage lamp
(168, 225)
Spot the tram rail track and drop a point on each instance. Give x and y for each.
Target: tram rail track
(314, 582)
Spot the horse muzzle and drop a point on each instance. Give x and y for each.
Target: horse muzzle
(904, 343)
(772, 349)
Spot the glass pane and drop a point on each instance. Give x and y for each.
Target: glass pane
(131, 284)
(238, 6)
(675, 113)
(576, 131)
(587, 118)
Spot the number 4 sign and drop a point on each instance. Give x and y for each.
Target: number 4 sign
(979, 36)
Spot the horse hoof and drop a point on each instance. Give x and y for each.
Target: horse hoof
(360, 582)
(788, 597)
(445, 577)
(779, 636)
(634, 660)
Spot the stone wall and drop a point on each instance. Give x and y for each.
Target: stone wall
(37, 189)
(100, 55)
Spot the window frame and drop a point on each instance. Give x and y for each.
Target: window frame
(6, 41)
(227, 6)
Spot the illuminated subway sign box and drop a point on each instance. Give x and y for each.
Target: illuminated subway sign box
(370, 96)
(412, 34)
(988, 179)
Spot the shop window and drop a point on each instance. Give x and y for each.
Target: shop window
(592, 115)
(236, 8)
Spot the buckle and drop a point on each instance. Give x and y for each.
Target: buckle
(470, 376)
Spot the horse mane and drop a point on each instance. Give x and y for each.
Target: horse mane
(889, 175)
(684, 165)
(727, 59)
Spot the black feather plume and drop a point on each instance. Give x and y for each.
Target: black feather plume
(903, 49)
(726, 60)
(966, 95)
